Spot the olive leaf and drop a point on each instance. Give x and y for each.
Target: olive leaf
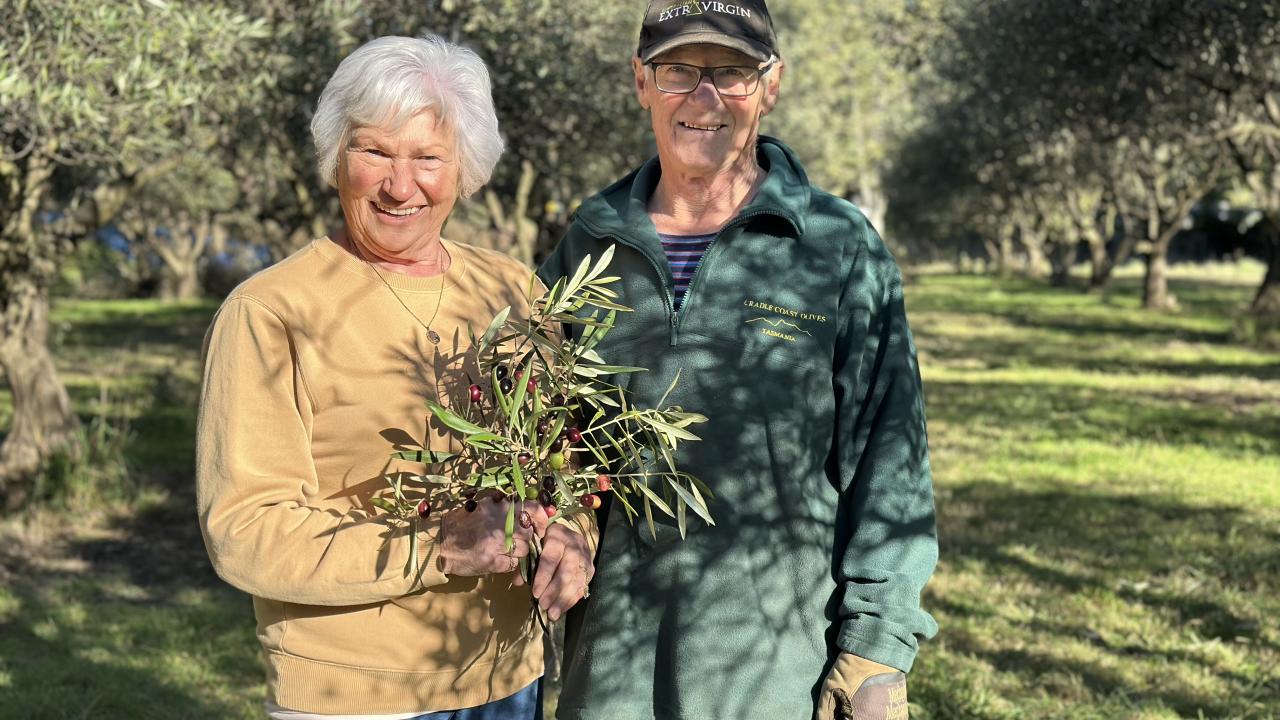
(575, 424)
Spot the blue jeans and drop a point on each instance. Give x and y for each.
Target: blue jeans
(524, 705)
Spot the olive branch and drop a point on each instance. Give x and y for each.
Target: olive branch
(544, 422)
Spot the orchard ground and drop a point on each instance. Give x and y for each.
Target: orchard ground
(1108, 490)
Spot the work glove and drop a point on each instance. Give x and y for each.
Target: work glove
(859, 689)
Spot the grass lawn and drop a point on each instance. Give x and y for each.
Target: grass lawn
(1109, 504)
(1108, 487)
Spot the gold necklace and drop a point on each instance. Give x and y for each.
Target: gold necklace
(432, 335)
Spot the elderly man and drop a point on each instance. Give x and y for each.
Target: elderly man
(782, 310)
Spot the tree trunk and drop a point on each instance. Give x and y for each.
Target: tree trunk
(992, 250)
(1125, 240)
(179, 283)
(1087, 217)
(1033, 245)
(1004, 248)
(1124, 249)
(43, 420)
(180, 276)
(1099, 259)
(518, 234)
(1060, 263)
(872, 202)
(1267, 301)
(1155, 288)
(1099, 266)
(997, 241)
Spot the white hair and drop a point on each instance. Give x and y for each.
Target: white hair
(389, 80)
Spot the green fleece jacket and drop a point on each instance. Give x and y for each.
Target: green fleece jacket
(793, 341)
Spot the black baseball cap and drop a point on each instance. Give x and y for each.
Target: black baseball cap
(743, 25)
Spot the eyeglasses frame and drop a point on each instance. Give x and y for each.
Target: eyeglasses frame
(708, 73)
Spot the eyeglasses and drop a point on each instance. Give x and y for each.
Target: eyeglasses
(729, 80)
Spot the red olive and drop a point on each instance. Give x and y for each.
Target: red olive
(590, 501)
(477, 393)
(573, 434)
(424, 509)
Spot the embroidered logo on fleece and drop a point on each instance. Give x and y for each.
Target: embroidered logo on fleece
(785, 327)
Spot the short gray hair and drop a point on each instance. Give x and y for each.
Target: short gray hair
(391, 79)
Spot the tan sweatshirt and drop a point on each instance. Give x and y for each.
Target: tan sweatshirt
(313, 370)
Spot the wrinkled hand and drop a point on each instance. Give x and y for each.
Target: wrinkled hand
(564, 570)
(859, 689)
(475, 543)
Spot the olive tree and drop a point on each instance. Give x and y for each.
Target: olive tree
(95, 103)
(1079, 95)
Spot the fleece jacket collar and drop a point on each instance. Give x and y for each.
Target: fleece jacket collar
(621, 210)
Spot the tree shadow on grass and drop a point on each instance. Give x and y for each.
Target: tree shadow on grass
(1070, 412)
(1070, 329)
(180, 326)
(56, 679)
(95, 622)
(159, 548)
(1203, 297)
(151, 599)
(1177, 563)
(1086, 347)
(89, 628)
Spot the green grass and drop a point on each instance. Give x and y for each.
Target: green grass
(1108, 490)
(110, 610)
(1109, 504)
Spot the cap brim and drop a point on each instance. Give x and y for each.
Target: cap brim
(742, 45)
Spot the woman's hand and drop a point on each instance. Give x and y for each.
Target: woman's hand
(474, 543)
(564, 570)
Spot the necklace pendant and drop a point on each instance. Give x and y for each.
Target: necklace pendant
(433, 336)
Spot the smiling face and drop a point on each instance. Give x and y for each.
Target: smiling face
(397, 187)
(702, 134)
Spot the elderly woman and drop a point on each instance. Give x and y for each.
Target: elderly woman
(783, 311)
(316, 365)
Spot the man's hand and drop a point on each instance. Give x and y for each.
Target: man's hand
(475, 543)
(564, 570)
(859, 689)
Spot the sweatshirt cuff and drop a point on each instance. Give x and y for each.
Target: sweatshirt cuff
(429, 571)
(857, 636)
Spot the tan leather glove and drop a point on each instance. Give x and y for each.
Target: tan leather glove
(859, 689)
